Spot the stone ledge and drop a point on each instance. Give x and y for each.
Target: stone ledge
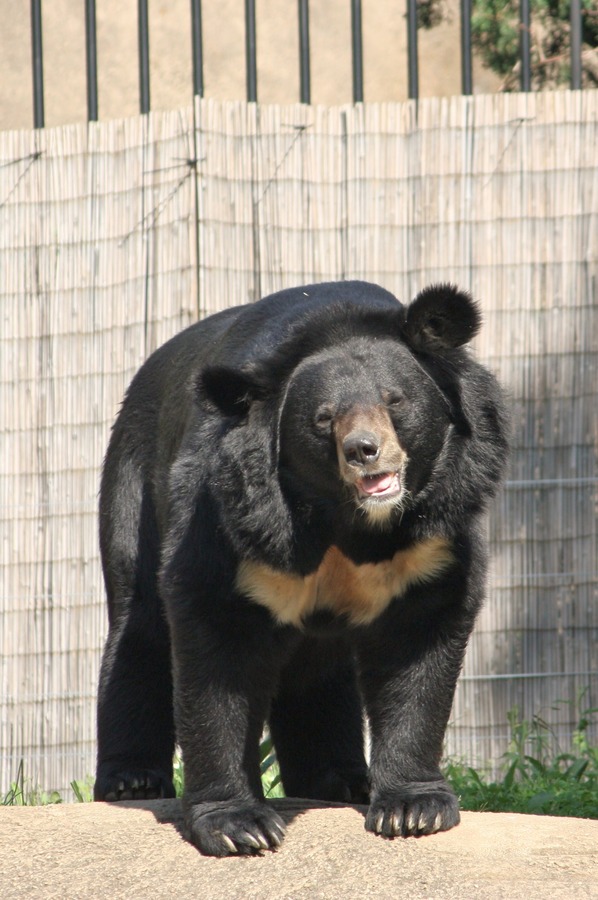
(136, 850)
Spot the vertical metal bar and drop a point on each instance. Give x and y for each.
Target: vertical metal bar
(37, 58)
(304, 61)
(144, 73)
(412, 56)
(197, 48)
(91, 56)
(576, 37)
(251, 51)
(357, 41)
(466, 70)
(525, 45)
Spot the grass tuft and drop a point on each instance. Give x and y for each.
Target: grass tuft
(22, 793)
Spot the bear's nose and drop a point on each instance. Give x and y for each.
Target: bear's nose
(361, 448)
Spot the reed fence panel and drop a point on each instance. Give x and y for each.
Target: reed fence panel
(114, 236)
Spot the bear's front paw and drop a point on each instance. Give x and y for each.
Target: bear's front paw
(413, 809)
(227, 828)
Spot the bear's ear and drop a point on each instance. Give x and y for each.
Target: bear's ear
(232, 391)
(441, 317)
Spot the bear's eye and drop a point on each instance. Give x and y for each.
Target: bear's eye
(393, 398)
(323, 419)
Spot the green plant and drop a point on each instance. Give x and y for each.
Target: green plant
(23, 793)
(496, 30)
(536, 779)
(83, 789)
(271, 780)
(178, 775)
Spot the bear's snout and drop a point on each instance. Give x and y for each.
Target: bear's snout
(361, 448)
(370, 457)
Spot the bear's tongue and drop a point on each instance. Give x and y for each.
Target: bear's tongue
(386, 483)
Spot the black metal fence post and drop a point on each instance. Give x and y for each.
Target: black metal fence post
(525, 45)
(466, 70)
(197, 48)
(91, 57)
(37, 58)
(575, 45)
(412, 55)
(144, 70)
(525, 51)
(357, 43)
(251, 51)
(304, 60)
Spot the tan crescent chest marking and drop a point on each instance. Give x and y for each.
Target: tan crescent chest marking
(360, 592)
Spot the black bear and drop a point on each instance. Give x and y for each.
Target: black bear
(290, 527)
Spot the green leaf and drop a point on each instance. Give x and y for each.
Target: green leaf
(538, 801)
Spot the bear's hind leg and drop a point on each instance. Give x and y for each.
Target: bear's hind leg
(135, 721)
(316, 724)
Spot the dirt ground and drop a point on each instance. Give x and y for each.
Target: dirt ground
(137, 850)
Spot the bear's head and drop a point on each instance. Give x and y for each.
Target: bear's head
(360, 402)
(362, 424)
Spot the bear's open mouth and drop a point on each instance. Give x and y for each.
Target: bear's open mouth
(383, 485)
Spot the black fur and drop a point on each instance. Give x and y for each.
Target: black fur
(224, 454)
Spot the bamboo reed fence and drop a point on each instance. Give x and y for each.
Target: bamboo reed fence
(114, 236)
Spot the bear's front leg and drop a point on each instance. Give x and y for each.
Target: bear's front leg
(226, 658)
(410, 662)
